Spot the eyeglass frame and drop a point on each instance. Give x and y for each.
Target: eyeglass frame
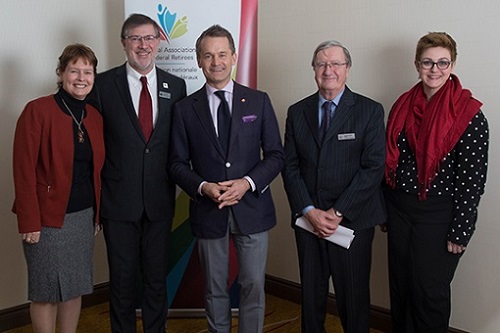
(324, 65)
(435, 63)
(139, 39)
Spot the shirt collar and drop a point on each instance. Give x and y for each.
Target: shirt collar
(228, 88)
(151, 76)
(336, 100)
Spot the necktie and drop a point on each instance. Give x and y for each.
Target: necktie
(325, 123)
(145, 109)
(223, 120)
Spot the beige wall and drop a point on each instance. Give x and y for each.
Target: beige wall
(381, 36)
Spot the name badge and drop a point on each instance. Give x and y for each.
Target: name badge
(164, 94)
(346, 136)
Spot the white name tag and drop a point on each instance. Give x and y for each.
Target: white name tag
(347, 136)
(164, 94)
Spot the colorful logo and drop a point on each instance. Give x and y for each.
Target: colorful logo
(172, 28)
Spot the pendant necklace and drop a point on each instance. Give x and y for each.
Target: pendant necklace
(81, 137)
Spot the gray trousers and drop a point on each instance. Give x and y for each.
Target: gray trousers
(251, 251)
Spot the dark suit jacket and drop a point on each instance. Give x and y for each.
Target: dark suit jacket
(255, 150)
(346, 170)
(134, 177)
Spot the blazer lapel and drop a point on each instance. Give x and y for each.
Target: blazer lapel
(311, 115)
(239, 109)
(202, 110)
(341, 115)
(124, 91)
(164, 97)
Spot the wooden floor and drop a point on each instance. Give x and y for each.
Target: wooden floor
(281, 316)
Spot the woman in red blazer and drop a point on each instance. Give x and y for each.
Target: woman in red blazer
(58, 156)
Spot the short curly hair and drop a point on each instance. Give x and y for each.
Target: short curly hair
(436, 39)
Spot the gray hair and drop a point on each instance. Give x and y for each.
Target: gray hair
(327, 45)
(136, 20)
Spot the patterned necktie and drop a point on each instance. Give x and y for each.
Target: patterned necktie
(223, 120)
(145, 109)
(325, 123)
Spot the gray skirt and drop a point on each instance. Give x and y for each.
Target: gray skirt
(60, 264)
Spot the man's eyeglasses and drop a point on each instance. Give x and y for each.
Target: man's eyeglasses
(428, 64)
(138, 39)
(334, 65)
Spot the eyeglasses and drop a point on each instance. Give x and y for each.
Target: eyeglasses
(138, 39)
(325, 65)
(428, 64)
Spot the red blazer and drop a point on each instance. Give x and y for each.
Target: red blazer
(43, 163)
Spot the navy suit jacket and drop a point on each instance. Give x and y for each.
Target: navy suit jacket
(134, 177)
(255, 150)
(346, 170)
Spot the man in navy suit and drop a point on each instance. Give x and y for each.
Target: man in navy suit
(335, 153)
(138, 198)
(225, 151)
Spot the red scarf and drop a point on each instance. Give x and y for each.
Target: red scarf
(432, 128)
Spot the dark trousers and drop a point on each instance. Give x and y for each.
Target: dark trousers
(137, 251)
(350, 271)
(420, 267)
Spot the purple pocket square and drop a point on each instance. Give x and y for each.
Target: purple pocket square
(248, 119)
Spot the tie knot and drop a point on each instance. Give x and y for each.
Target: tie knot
(220, 94)
(144, 81)
(327, 106)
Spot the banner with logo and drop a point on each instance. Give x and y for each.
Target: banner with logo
(181, 22)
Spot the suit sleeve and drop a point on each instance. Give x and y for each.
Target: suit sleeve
(272, 150)
(179, 165)
(295, 187)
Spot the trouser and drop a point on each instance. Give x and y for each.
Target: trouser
(137, 247)
(350, 271)
(251, 251)
(420, 267)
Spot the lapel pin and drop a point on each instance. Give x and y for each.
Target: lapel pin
(243, 100)
(165, 85)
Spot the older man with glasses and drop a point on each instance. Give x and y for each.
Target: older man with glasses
(335, 148)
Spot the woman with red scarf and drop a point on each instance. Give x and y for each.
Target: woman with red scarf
(437, 153)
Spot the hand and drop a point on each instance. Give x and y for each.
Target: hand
(236, 190)
(97, 228)
(213, 191)
(31, 237)
(455, 248)
(324, 222)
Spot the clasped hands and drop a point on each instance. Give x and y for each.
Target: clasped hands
(324, 222)
(226, 193)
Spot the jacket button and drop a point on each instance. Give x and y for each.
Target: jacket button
(146, 150)
(228, 165)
